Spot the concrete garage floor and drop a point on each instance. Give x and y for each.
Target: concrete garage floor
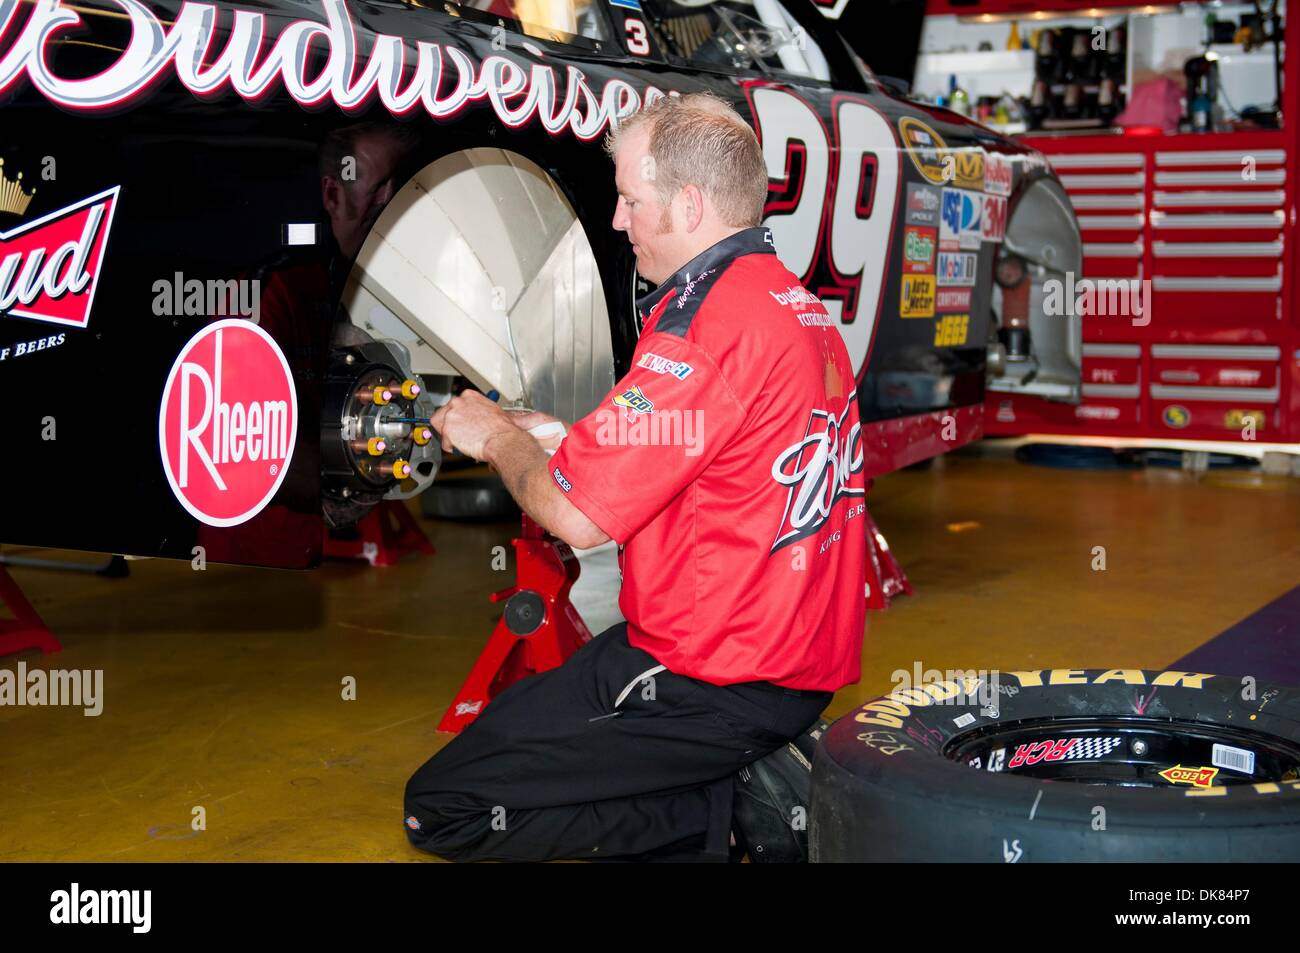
(222, 689)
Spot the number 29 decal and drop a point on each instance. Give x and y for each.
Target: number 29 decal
(832, 198)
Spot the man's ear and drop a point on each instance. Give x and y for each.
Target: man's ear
(693, 206)
(331, 195)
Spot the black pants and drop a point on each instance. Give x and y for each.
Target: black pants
(607, 756)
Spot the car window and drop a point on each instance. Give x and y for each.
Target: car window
(739, 35)
(560, 21)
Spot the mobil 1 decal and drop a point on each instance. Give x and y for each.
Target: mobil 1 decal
(834, 185)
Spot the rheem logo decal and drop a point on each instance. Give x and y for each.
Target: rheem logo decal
(228, 422)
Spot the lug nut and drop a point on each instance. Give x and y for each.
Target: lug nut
(375, 446)
(410, 389)
(399, 469)
(1139, 748)
(422, 435)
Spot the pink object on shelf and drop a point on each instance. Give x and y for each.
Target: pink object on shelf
(1157, 102)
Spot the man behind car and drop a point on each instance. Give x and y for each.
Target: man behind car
(743, 549)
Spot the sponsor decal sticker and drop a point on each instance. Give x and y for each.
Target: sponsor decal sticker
(918, 250)
(1197, 777)
(951, 330)
(1236, 419)
(1063, 749)
(1176, 416)
(952, 299)
(634, 401)
(960, 223)
(662, 365)
(922, 205)
(926, 148)
(993, 220)
(227, 423)
(997, 174)
(49, 267)
(917, 300)
(1096, 412)
(956, 268)
(565, 485)
(969, 172)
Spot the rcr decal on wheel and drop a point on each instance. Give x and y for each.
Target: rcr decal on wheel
(1073, 765)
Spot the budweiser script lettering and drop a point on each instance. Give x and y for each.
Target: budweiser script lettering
(818, 470)
(518, 93)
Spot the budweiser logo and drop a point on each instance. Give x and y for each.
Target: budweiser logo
(227, 424)
(819, 470)
(49, 268)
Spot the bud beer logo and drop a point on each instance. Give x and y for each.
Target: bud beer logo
(49, 268)
(1197, 777)
(918, 250)
(819, 471)
(228, 422)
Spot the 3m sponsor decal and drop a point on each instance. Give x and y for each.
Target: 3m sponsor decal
(959, 225)
(1197, 777)
(951, 330)
(926, 148)
(955, 268)
(634, 401)
(922, 205)
(661, 365)
(969, 169)
(818, 470)
(565, 485)
(918, 250)
(228, 421)
(49, 268)
(890, 711)
(997, 174)
(993, 218)
(917, 300)
(952, 299)
(1063, 749)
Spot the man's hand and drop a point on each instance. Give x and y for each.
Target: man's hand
(468, 421)
(531, 420)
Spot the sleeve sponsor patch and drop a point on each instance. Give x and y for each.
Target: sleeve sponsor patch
(662, 365)
(565, 485)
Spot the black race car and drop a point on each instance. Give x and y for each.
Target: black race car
(245, 248)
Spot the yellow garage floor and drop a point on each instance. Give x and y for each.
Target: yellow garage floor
(223, 689)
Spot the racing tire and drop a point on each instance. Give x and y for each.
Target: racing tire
(1118, 765)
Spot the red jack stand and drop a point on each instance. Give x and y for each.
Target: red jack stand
(538, 630)
(28, 632)
(885, 577)
(384, 535)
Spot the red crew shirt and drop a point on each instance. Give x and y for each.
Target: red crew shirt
(729, 465)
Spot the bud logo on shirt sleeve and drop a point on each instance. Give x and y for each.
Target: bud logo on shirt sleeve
(817, 470)
(49, 268)
(228, 422)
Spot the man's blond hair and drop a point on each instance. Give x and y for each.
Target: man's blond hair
(698, 139)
